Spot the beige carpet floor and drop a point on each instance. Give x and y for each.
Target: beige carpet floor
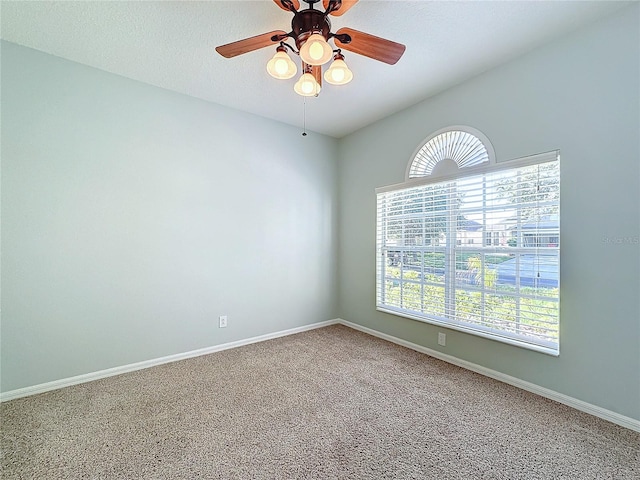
(331, 403)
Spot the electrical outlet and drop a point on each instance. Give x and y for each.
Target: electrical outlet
(442, 339)
(223, 321)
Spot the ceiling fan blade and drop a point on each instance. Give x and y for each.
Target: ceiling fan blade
(288, 5)
(370, 46)
(249, 44)
(339, 9)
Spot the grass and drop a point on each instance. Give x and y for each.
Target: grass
(534, 317)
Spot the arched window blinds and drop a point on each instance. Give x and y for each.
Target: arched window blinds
(461, 145)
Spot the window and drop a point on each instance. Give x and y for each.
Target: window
(502, 281)
(488, 239)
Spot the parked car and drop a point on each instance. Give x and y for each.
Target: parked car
(534, 271)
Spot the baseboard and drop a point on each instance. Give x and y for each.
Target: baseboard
(88, 377)
(594, 410)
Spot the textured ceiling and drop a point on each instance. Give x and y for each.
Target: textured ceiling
(171, 45)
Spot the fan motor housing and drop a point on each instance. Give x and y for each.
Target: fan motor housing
(307, 22)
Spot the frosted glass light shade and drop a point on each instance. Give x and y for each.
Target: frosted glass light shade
(307, 86)
(338, 73)
(281, 66)
(316, 50)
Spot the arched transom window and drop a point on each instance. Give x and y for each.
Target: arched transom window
(450, 149)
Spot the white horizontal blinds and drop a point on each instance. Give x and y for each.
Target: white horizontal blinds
(479, 253)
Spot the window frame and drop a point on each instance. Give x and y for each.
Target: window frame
(483, 169)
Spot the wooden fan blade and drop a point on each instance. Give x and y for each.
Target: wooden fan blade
(340, 10)
(248, 44)
(371, 46)
(288, 5)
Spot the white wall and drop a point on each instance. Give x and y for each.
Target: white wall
(132, 217)
(579, 95)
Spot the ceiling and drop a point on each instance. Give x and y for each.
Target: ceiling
(171, 44)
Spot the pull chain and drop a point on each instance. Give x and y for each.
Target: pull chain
(304, 116)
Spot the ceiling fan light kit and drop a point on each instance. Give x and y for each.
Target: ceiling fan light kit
(281, 66)
(307, 86)
(316, 50)
(311, 32)
(338, 73)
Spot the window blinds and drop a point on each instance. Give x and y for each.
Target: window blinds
(478, 252)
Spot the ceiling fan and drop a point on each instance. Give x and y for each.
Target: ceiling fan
(311, 31)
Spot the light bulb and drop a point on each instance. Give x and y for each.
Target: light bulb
(338, 73)
(316, 50)
(307, 87)
(281, 66)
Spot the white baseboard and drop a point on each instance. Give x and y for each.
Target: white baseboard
(88, 377)
(624, 421)
(600, 412)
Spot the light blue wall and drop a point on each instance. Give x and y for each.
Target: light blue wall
(579, 95)
(132, 217)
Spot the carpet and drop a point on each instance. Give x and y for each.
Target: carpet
(331, 403)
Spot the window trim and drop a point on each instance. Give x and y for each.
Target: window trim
(478, 330)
